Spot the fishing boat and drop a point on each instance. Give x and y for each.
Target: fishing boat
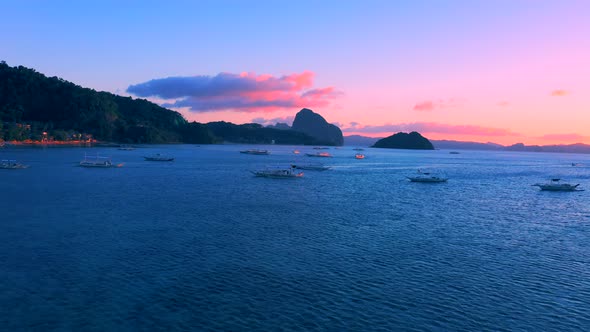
(158, 157)
(556, 185)
(426, 177)
(11, 164)
(255, 151)
(98, 162)
(126, 148)
(312, 167)
(278, 173)
(319, 154)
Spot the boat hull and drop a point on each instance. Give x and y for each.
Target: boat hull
(428, 180)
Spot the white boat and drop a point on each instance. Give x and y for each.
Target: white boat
(255, 151)
(11, 164)
(278, 173)
(319, 154)
(426, 177)
(98, 162)
(312, 167)
(158, 157)
(555, 185)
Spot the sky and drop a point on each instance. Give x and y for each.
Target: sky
(503, 71)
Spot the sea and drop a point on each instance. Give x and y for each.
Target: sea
(201, 244)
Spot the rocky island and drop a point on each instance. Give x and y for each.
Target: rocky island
(314, 125)
(413, 141)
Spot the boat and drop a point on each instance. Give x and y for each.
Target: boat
(98, 162)
(454, 152)
(359, 149)
(158, 157)
(126, 148)
(359, 156)
(426, 177)
(255, 151)
(320, 148)
(11, 164)
(312, 167)
(296, 151)
(556, 185)
(319, 154)
(278, 173)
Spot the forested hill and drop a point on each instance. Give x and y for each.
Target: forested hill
(36, 107)
(62, 108)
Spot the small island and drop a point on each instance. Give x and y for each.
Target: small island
(413, 141)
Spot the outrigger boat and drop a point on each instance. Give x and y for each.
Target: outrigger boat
(255, 151)
(278, 173)
(555, 185)
(11, 164)
(426, 177)
(98, 162)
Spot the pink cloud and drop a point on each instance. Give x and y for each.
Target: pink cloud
(424, 106)
(430, 105)
(432, 127)
(565, 137)
(503, 103)
(559, 93)
(244, 92)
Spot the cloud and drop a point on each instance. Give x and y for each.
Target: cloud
(430, 105)
(559, 93)
(503, 103)
(245, 92)
(432, 127)
(266, 122)
(565, 137)
(424, 106)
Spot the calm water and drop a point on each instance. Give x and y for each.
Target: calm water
(201, 244)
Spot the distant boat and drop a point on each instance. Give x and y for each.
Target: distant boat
(319, 154)
(312, 167)
(296, 151)
(11, 164)
(158, 157)
(453, 152)
(426, 177)
(255, 151)
(320, 148)
(555, 185)
(359, 156)
(98, 162)
(359, 149)
(278, 173)
(126, 148)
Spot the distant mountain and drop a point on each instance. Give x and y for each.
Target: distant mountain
(253, 133)
(570, 148)
(358, 140)
(279, 125)
(413, 141)
(314, 125)
(449, 144)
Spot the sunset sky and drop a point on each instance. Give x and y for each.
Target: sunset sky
(504, 71)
